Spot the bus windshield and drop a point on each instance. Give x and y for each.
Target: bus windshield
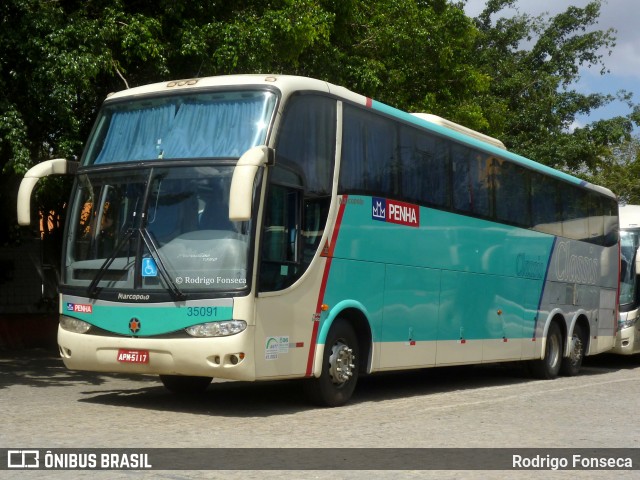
(195, 125)
(629, 243)
(156, 228)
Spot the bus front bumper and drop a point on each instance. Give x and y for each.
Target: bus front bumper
(628, 339)
(221, 357)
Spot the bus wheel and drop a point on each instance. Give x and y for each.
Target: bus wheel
(548, 367)
(339, 374)
(185, 384)
(571, 364)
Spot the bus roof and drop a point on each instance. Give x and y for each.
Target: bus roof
(288, 84)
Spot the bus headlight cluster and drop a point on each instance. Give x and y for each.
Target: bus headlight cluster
(74, 325)
(217, 329)
(626, 322)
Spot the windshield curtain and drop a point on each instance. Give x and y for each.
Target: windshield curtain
(206, 125)
(629, 242)
(156, 229)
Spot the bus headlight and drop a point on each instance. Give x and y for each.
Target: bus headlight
(626, 322)
(74, 325)
(217, 329)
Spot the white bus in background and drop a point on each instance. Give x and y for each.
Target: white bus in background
(628, 337)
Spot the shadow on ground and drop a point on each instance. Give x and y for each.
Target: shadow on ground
(42, 368)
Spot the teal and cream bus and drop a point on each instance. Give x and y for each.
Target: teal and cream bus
(278, 227)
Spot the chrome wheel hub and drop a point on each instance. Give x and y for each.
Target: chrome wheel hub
(341, 363)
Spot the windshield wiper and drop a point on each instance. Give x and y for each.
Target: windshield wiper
(151, 245)
(93, 286)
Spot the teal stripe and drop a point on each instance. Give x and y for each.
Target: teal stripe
(452, 277)
(153, 320)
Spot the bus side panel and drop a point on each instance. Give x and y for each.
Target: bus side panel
(285, 319)
(410, 315)
(469, 285)
(606, 321)
(460, 331)
(582, 278)
(353, 282)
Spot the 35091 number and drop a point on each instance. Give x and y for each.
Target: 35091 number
(202, 311)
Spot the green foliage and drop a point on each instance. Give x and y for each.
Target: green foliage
(414, 55)
(621, 172)
(532, 104)
(508, 76)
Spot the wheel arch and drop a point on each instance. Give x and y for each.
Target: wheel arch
(356, 314)
(556, 316)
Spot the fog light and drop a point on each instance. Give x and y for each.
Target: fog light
(217, 329)
(74, 325)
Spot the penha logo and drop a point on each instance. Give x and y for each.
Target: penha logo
(79, 308)
(392, 211)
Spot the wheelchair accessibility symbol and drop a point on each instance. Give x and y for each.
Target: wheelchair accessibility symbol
(149, 268)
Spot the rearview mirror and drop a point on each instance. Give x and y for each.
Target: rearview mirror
(57, 166)
(244, 175)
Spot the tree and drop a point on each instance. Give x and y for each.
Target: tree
(509, 77)
(621, 173)
(532, 103)
(60, 58)
(413, 55)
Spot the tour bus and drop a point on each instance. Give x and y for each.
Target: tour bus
(628, 338)
(267, 227)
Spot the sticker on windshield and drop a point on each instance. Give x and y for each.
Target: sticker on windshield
(149, 268)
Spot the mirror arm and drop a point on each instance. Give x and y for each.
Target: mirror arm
(244, 174)
(57, 166)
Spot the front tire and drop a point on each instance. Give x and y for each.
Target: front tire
(549, 367)
(185, 384)
(340, 368)
(571, 364)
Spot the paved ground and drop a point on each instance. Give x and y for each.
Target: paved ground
(45, 406)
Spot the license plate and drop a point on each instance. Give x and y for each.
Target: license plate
(133, 356)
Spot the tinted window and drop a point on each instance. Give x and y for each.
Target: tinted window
(471, 181)
(424, 168)
(575, 213)
(545, 208)
(299, 190)
(306, 141)
(368, 154)
(512, 193)
(596, 219)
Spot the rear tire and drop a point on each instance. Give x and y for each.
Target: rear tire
(340, 369)
(571, 364)
(185, 384)
(549, 367)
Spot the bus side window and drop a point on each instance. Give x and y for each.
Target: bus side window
(575, 214)
(280, 245)
(545, 207)
(299, 190)
(471, 181)
(596, 220)
(512, 185)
